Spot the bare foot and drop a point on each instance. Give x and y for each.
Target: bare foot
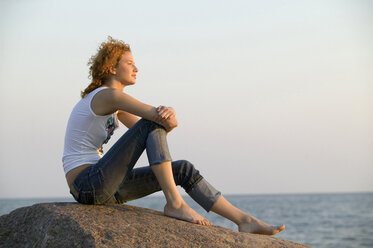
(254, 225)
(184, 212)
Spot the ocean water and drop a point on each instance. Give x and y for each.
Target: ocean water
(317, 220)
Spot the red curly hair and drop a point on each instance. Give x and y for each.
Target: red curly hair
(108, 55)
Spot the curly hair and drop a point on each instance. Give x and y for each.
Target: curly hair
(108, 55)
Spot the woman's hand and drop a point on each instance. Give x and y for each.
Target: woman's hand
(166, 117)
(165, 113)
(169, 123)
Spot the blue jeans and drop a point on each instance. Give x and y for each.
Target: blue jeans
(114, 180)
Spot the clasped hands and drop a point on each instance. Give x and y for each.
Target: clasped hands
(166, 117)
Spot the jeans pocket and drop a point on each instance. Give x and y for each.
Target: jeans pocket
(82, 189)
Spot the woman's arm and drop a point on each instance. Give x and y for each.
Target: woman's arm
(110, 100)
(127, 119)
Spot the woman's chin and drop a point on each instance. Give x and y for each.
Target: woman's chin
(128, 83)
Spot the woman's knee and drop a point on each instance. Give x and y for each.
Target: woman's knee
(184, 167)
(185, 173)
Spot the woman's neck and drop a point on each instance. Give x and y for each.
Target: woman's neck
(112, 83)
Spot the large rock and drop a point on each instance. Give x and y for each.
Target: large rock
(77, 225)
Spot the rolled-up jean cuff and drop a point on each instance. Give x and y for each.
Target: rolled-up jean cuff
(204, 194)
(157, 147)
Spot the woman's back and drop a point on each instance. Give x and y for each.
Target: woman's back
(86, 132)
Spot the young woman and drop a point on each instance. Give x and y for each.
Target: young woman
(108, 179)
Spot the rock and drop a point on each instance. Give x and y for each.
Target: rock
(77, 225)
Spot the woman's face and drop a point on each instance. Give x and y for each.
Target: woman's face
(125, 71)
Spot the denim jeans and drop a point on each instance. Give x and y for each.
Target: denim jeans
(114, 180)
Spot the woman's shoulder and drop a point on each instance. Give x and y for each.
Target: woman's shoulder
(95, 91)
(101, 101)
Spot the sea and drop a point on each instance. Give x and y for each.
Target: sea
(317, 220)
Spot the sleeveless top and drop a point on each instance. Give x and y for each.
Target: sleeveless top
(86, 133)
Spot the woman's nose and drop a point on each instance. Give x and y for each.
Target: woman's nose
(136, 69)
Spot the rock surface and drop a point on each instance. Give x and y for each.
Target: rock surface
(77, 225)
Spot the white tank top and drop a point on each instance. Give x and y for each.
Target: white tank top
(86, 132)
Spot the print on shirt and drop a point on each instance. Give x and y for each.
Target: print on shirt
(111, 125)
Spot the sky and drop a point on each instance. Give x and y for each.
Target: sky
(271, 96)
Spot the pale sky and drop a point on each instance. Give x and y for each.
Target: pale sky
(271, 96)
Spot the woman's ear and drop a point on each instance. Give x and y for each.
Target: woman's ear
(112, 70)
